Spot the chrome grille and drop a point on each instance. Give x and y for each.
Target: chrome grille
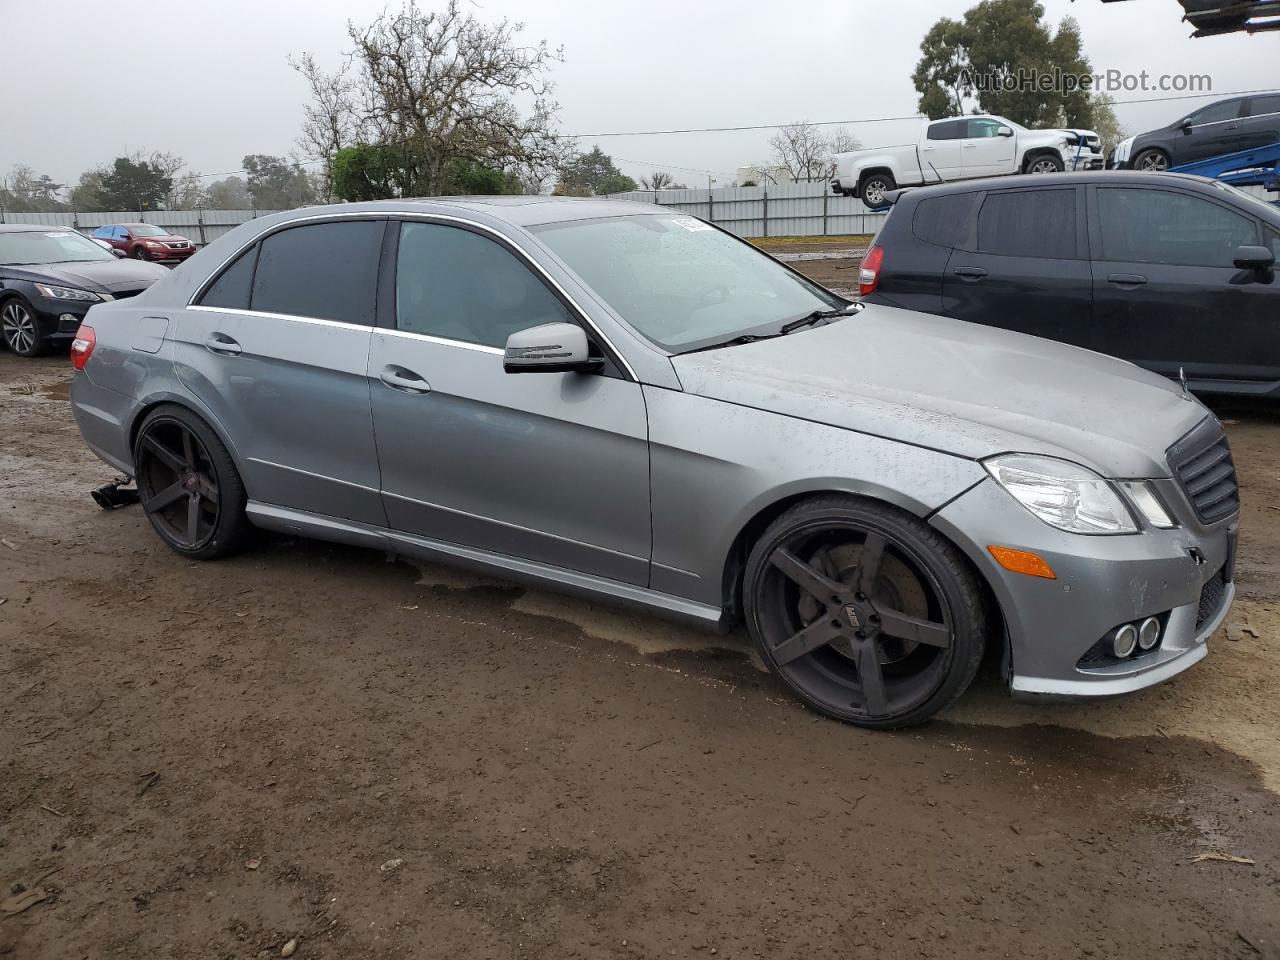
(1201, 463)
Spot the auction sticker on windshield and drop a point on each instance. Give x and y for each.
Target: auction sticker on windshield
(692, 224)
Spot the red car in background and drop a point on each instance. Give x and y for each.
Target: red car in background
(145, 241)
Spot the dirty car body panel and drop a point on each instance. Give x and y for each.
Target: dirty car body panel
(644, 480)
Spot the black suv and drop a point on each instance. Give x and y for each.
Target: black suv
(1228, 126)
(1169, 271)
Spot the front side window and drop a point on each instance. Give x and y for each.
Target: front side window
(1273, 241)
(458, 285)
(324, 270)
(1216, 113)
(1162, 226)
(1029, 223)
(984, 128)
(947, 130)
(681, 282)
(49, 246)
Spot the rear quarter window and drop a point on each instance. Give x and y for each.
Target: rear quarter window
(946, 221)
(231, 290)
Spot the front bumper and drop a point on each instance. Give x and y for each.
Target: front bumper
(59, 319)
(1102, 582)
(170, 253)
(1085, 161)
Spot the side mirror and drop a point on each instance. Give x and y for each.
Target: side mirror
(1184, 126)
(550, 348)
(1004, 132)
(120, 254)
(1260, 259)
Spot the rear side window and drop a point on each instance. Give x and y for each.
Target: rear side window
(947, 130)
(455, 284)
(102, 232)
(231, 290)
(1029, 223)
(1162, 226)
(323, 270)
(1264, 105)
(945, 221)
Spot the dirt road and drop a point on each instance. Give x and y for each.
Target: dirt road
(377, 760)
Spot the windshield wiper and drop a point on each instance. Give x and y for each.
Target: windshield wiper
(733, 342)
(817, 317)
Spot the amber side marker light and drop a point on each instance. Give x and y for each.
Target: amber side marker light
(1022, 561)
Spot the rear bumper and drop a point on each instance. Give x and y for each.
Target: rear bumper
(1102, 583)
(103, 416)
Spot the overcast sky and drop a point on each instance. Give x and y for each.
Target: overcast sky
(83, 81)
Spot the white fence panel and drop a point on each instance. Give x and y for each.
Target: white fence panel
(199, 226)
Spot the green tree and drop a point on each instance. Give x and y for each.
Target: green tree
(382, 171)
(132, 184)
(595, 172)
(276, 183)
(228, 194)
(988, 61)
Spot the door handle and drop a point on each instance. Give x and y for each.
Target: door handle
(971, 146)
(406, 381)
(223, 345)
(1127, 280)
(970, 274)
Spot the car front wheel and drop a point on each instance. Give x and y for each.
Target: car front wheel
(20, 328)
(1045, 164)
(1151, 161)
(140, 253)
(189, 486)
(865, 612)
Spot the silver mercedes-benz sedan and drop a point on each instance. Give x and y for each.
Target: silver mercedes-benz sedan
(626, 402)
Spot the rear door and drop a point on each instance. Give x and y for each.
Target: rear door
(1260, 126)
(1166, 293)
(940, 153)
(1024, 265)
(548, 467)
(276, 350)
(983, 152)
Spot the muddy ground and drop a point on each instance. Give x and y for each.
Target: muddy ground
(379, 760)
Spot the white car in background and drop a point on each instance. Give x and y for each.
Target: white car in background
(961, 148)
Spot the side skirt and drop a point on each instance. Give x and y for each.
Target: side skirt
(300, 523)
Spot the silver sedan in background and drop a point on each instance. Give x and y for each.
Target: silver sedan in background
(618, 400)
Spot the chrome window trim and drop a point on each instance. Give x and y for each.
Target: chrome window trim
(322, 321)
(443, 341)
(407, 215)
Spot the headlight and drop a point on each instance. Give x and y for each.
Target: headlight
(1145, 499)
(1062, 494)
(66, 293)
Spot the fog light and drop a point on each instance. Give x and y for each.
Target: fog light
(1124, 641)
(68, 319)
(1149, 633)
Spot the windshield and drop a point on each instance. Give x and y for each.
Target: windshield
(53, 246)
(147, 230)
(1270, 208)
(680, 282)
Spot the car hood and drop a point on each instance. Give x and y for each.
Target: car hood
(100, 276)
(967, 389)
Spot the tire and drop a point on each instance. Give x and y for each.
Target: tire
(189, 486)
(821, 637)
(21, 329)
(874, 186)
(1151, 161)
(1044, 163)
(140, 253)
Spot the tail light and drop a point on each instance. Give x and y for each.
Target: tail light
(869, 277)
(82, 346)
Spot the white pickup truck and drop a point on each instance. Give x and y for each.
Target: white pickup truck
(961, 148)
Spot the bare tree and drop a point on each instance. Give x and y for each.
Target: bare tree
(442, 88)
(801, 150)
(330, 122)
(188, 193)
(840, 141)
(658, 180)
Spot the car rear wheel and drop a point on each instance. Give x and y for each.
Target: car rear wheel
(866, 613)
(20, 328)
(1152, 161)
(875, 186)
(1045, 163)
(188, 484)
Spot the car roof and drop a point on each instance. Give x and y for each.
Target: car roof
(1024, 180)
(33, 227)
(523, 211)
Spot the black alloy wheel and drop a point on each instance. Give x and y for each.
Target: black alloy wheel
(188, 485)
(869, 615)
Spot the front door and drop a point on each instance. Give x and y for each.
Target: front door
(1166, 293)
(276, 351)
(1211, 132)
(983, 152)
(548, 467)
(1023, 267)
(940, 152)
